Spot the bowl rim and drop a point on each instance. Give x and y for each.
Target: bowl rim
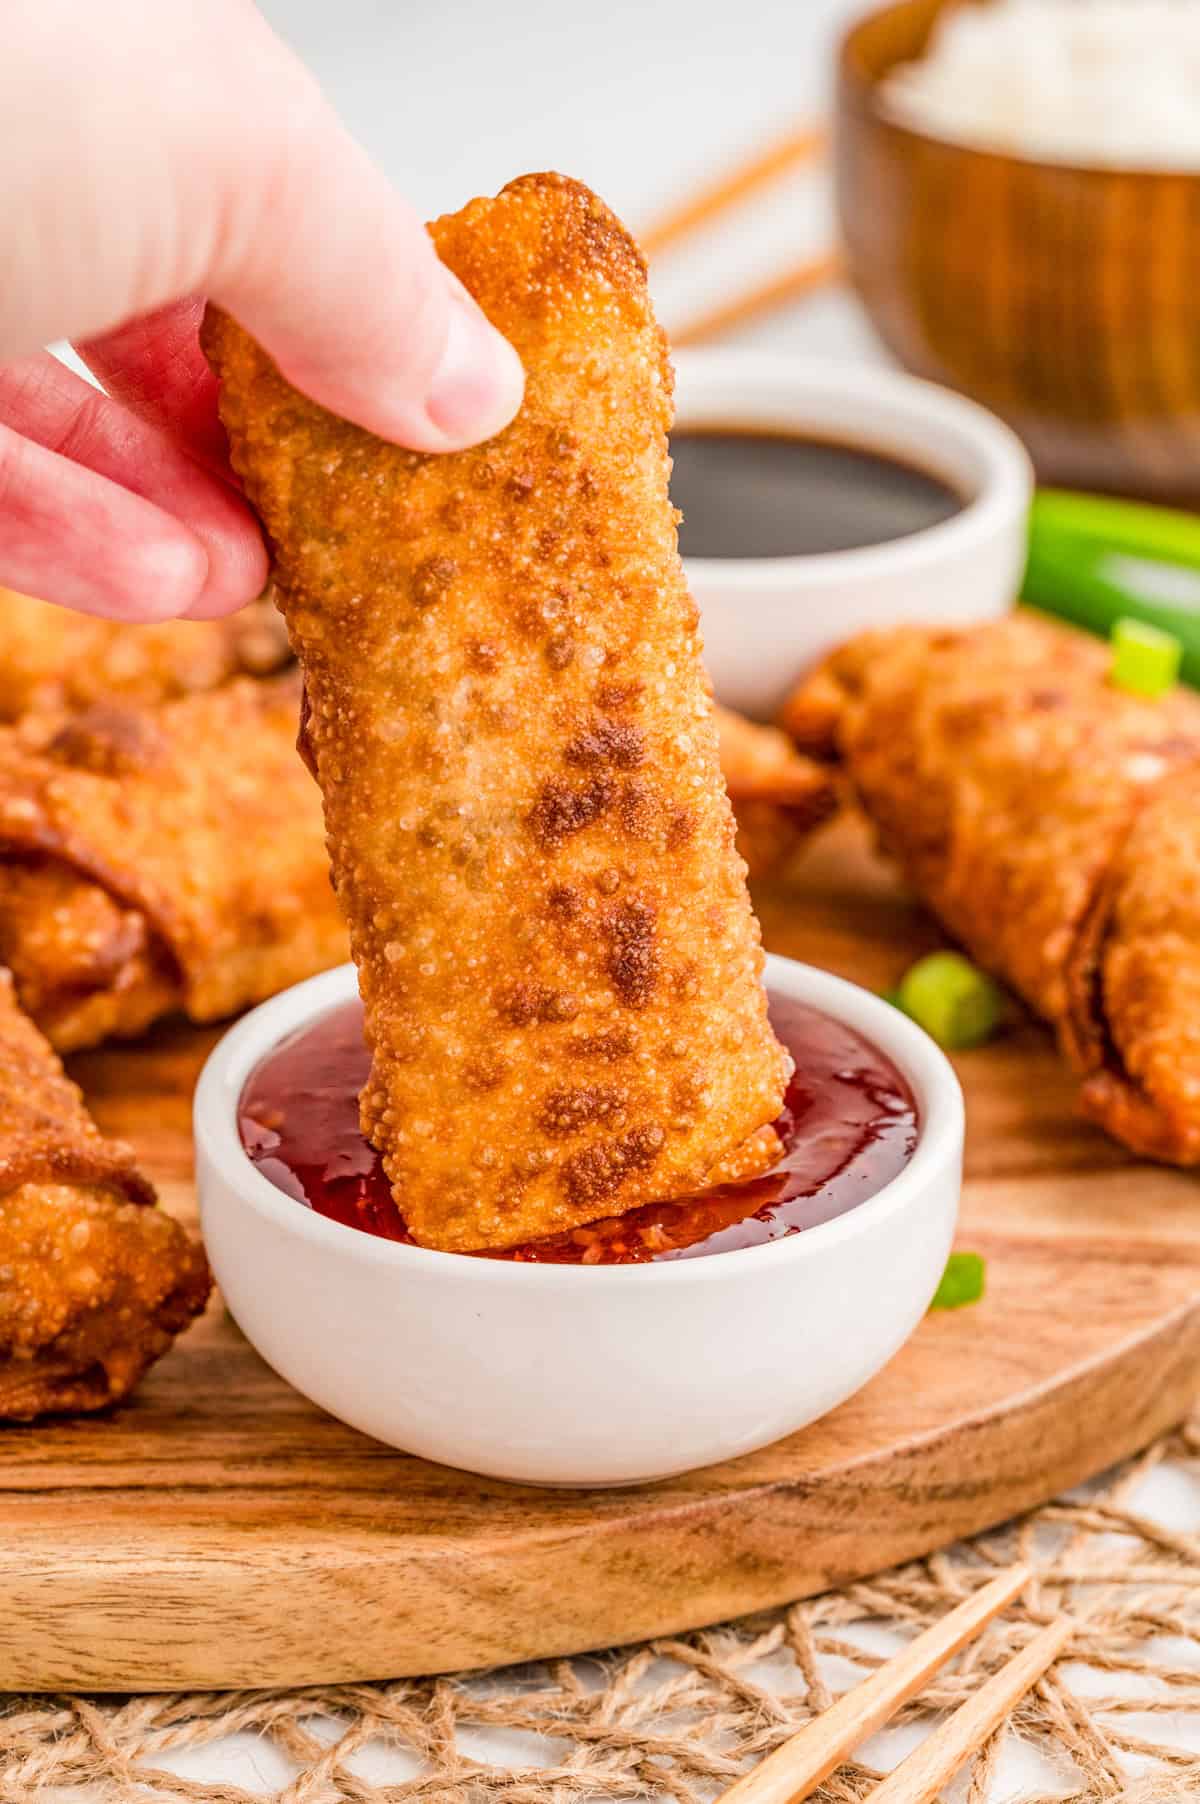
(858, 93)
(1001, 495)
(941, 1117)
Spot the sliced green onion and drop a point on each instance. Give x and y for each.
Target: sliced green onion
(951, 999)
(963, 1281)
(1145, 659)
(1094, 561)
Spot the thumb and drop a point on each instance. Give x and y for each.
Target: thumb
(255, 194)
(338, 280)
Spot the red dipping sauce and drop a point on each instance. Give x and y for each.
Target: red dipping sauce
(849, 1125)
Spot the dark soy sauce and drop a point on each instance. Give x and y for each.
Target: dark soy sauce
(751, 494)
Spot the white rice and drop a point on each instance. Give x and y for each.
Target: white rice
(1112, 83)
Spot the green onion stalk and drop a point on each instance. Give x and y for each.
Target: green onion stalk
(1095, 561)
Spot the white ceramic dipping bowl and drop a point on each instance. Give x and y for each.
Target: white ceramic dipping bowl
(766, 620)
(578, 1375)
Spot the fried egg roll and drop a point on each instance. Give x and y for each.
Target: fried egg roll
(1052, 822)
(1134, 1025)
(508, 719)
(778, 796)
(54, 662)
(162, 859)
(95, 1281)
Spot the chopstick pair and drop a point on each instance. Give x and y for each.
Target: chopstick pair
(806, 144)
(794, 1770)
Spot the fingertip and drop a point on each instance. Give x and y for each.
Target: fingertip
(238, 573)
(165, 575)
(478, 386)
(468, 390)
(474, 394)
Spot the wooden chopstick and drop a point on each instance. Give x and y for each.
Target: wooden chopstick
(792, 285)
(803, 145)
(919, 1778)
(796, 1768)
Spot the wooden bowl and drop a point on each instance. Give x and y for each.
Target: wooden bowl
(1067, 299)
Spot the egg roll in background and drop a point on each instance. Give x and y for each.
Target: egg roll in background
(1052, 822)
(54, 662)
(779, 797)
(508, 719)
(95, 1281)
(1134, 1026)
(155, 859)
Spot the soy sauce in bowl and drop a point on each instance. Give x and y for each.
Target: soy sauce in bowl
(750, 493)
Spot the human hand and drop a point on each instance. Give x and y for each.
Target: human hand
(163, 151)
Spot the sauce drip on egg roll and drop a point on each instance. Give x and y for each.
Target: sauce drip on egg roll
(509, 722)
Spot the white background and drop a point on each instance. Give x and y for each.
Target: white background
(639, 98)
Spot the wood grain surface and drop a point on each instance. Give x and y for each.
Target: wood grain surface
(220, 1531)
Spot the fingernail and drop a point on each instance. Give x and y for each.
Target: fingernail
(478, 384)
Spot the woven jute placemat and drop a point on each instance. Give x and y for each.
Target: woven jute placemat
(681, 1718)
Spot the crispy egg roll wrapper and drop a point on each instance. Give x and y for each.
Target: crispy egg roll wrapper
(161, 859)
(509, 722)
(95, 1281)
(1135, 1021)
(55, 662)
(1049, 819)
(779, 797)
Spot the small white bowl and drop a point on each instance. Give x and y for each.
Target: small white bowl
(567, 1374)
(766, 620)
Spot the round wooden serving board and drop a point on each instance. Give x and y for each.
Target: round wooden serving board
(220, 1531)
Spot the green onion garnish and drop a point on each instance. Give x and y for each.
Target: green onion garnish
(951, 999)
(963, 1281)
(1170, 535)
(1145, 659)
(1094, 561)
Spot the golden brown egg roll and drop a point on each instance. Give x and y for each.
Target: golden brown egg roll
(1052, 823)
(1134, 1023)
(54, 662)
(95, 1281)
(508, 719)
(162, 859)
(778, 796)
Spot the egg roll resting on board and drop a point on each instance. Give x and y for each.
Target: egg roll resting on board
(1052, 822)
(95, 1281)
(508, 718)
(162, 859)
(53, 661)
(778, 796)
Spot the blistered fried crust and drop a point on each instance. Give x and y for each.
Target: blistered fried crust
(1044, 815)
(154, 859)
(1141, 1005)
(87, 967)
(53, 661)
(46, 1134)
(778, 796)
(509, 723)
(95, 1281)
